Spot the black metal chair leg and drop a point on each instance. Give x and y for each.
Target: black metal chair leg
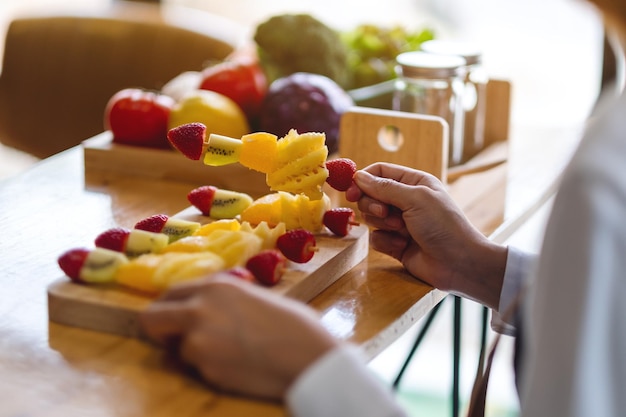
(483, 338)
(456, 368)
(418, 341)
(457, 326)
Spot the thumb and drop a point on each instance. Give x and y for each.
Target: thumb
(385, 190)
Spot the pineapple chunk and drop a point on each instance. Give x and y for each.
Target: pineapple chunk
(226, 224)
(295, 211)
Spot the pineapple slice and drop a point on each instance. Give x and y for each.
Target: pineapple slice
(314, 160)
(294, 145)
(300, 165)
(234, 246)
(295, 211)
(187, 244)
(188, 266)
(269, 235)
(311, 212)
(226, 224)
(153, 273)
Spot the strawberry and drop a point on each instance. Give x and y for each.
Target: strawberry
(202, 198)
(188, 139)
(153, 223)
(72, 261)
(340, 173)
(297, 245)
(267, 266)
(113, 239)
(339, 220)
(241, 273)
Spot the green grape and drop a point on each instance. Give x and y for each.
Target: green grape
(372, 51)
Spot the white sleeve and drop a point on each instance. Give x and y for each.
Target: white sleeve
(339, 384)
(575, 344)
(519, 267)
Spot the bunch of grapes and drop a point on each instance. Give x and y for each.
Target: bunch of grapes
(372, 51)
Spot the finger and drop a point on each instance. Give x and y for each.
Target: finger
(388, 191)
(353, 193)
(393, 222)
(186, 289)
(402, 174)
(389, 243)
(163, 321)
(372, 207)
(381, 192)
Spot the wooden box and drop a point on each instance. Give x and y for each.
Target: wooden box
(423, 148)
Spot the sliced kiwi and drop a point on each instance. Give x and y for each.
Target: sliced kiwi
(222, 150)
(101, 265)
(179, 228)
(142, 241)
(229, 204)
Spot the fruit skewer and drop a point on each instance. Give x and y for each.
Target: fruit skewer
(295, 163)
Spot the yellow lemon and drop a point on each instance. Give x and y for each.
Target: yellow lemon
(218, 113)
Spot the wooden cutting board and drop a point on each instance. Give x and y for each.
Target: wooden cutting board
(113, 309)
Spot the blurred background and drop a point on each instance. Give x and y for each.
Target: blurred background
(551, 51)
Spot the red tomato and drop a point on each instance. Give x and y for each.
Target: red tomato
(139, 117)
(241, 79)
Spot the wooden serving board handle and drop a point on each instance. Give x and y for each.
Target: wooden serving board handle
(113, 309)
(369, 135)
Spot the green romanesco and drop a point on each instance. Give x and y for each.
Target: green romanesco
(291, 43)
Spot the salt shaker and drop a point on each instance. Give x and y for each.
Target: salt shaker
(474, 95)
(433, 84)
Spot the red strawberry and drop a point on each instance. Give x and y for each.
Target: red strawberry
(113, 239)
(72, 261)
(241, 273)
(340, 220)
(202, 198)
(153, 223)
(189, 139)
(340, 173)
(297, 245)
(267, 266)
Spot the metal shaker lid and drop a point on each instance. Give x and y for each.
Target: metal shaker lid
(469, 51)
(418, 64)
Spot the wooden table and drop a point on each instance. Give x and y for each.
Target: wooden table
(48, 369)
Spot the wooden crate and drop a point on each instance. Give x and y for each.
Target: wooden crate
(424, 148)
(104, 159)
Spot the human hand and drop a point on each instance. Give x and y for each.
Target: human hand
(418, 223)
(241, 338)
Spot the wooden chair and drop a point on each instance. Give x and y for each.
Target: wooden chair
(61, 67)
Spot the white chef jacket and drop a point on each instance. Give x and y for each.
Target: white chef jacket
(575, 311)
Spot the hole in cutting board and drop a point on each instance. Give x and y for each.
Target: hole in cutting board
(390, 138)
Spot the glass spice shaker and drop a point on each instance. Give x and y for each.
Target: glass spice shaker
(433, 84)
(474, 99)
